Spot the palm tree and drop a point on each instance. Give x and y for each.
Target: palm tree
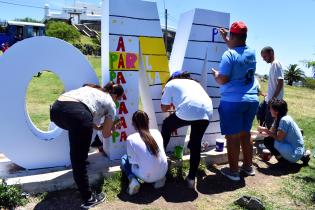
(293, 74)
(311, 64)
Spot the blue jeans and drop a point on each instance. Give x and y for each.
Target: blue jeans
(126, 167)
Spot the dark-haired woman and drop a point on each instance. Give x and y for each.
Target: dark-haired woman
(145, 159)
(79, 111)
(285, 137)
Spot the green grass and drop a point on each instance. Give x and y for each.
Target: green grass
(301, 101)
(299, 187)
(269, 204)
(44, 90)
(112, 186)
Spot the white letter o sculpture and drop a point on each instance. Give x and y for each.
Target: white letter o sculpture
(20, 140)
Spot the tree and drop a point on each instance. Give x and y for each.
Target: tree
(27, 19)
(311, 64)
(63, 31)
(293, 74)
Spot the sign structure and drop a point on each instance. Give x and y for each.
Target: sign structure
(133, 41)
(197, 48)
(20, 140)
(133, 55)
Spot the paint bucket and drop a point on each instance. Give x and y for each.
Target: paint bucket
(266, 155)
(219, 145)
(178, 152)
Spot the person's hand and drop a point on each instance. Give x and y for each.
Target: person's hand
(97, 127)
(215, 72)
(117, 125)
(262, 129)
(224, 33)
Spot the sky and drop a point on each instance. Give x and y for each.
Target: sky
(286, 25)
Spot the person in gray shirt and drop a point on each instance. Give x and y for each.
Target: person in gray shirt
(275, 81)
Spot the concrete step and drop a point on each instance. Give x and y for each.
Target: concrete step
(52, 179)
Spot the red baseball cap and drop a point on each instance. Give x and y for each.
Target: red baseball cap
(238, 28)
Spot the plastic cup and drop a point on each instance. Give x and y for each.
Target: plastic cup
(266, 155)
(178, 152)
(219, 145)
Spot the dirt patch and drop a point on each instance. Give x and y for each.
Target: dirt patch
(213, 191)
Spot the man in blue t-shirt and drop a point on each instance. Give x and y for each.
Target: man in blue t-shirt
(239, 98)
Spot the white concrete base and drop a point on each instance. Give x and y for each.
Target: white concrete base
(52, 179)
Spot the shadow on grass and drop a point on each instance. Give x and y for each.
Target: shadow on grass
(217, 183)
(280, 168)
(65, 199)
(174, 191)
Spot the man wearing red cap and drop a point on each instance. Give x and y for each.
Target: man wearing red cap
(239, 98)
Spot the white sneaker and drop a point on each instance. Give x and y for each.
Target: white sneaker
(133, 187)
(248, 171)
(190, 183)
(160, 183)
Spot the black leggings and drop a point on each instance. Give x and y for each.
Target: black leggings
(78, 120)
(198, 128)
(269, 142)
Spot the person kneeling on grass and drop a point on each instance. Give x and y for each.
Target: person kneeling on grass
(146, 158)
(285, 138)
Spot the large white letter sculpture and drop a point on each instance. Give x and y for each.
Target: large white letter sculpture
(133, 55)
(134, 52)
(20, 140)
(197, 48)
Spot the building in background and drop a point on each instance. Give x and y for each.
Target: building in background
(87, 17)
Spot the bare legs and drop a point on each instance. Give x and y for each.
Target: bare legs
(233, 147)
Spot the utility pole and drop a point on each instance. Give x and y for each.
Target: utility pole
(165, 32)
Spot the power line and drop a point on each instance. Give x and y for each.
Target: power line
(164, 4)
(25, 5)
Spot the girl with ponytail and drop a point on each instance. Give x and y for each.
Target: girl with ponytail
(145, 159)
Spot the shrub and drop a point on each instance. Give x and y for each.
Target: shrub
(309, 83)
(10, 196)
(62, 31)
(88, 49)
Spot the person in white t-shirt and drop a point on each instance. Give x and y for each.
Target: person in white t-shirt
(275, 81)
(193, 107)
(145, 159)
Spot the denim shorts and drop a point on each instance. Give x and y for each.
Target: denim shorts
(236, 117)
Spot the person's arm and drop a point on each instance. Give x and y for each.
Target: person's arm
(224, 33)
(219, 78)
(278, 136)
(280, 78)
(166, 108)
(166, 100)
(278, 88)
(107, 127)
(97, 127)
